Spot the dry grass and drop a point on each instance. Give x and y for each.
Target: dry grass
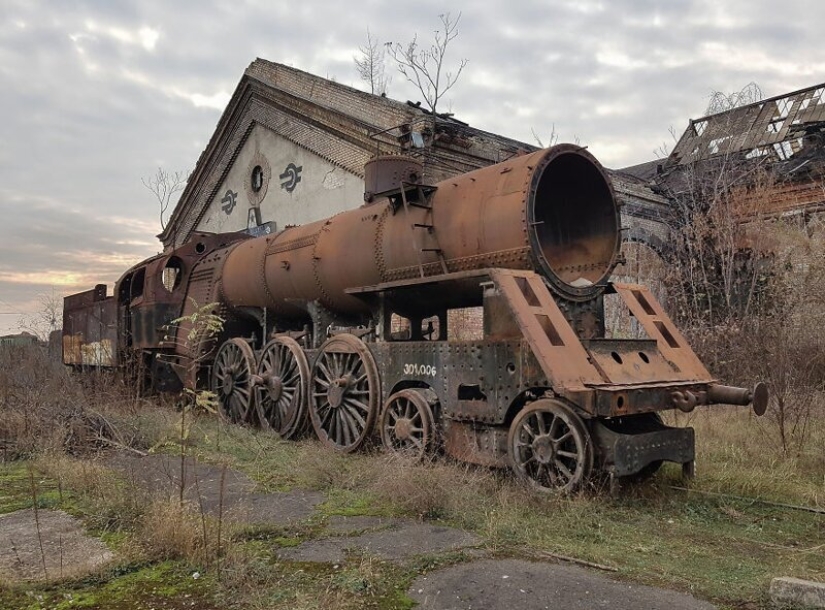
(46, 407)
(740, 453)
(107, 503)
(169, 530)
(430, 490)
(723, 549)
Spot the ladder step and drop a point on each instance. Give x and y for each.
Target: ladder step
(431, 249)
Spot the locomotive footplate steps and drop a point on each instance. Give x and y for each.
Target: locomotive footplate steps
(555, 345)
(608, 377)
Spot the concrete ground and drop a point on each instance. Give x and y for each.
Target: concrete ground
(491, 584)
(479, 583)
(55, 539)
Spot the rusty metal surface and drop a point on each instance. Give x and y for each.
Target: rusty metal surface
(555, 345)
(658, 325)
(630, 361)
(553, 211)
(469, 442)
(474, 380)
(101, 330)
(160, 290)
(629, 444)
(90, 328)
(387, 174)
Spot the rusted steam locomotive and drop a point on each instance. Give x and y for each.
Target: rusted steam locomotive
(312, 330)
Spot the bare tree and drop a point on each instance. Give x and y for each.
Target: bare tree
(719, 204)
(743, 275)
(48, 317)
(425, 67)
(370, 65)
(164, 186)
(721, 102)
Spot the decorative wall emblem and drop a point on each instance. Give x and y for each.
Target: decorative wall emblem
(253, 217)
(228, 201)
(258, 175)
(291, 177)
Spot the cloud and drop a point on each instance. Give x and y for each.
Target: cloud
(98, 94)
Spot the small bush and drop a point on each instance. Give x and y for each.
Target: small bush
(429, 490)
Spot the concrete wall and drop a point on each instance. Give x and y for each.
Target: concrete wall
(297, 186)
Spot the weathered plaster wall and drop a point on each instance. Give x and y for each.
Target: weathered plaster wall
(297, 186)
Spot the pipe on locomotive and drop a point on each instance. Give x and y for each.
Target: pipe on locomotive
(553, 211)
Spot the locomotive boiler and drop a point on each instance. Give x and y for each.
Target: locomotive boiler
(347, 325)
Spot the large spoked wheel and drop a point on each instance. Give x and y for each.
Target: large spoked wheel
(232, 379)
(550, 447)
(345, 393)
(282, 392)
(407, 425)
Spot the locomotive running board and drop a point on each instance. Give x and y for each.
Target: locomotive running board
(557, 348)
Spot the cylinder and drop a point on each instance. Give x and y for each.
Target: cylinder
(553, 211)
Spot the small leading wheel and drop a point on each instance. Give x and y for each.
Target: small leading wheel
(345, 393)
(232, 379)
(549, 447)
(407, 426)
(282, 393)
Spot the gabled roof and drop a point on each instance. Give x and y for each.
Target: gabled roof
(774, 129)
(347, 127)
(342, 124)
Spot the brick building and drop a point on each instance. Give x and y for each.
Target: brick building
(19, 339)
(290, 148)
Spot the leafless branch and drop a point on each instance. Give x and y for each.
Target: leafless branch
(425, 67)
(721, 102)
(164, 186)
(552, 140)
(370, 65)
(48, 317)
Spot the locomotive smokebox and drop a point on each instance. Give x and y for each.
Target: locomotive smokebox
(573, 222)
(552, 211)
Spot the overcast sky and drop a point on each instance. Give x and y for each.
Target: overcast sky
(95, 95)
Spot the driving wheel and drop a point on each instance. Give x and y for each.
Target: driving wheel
(282, 392)
(549, 447)
(345, 393)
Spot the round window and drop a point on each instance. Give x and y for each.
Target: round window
(257, 178)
